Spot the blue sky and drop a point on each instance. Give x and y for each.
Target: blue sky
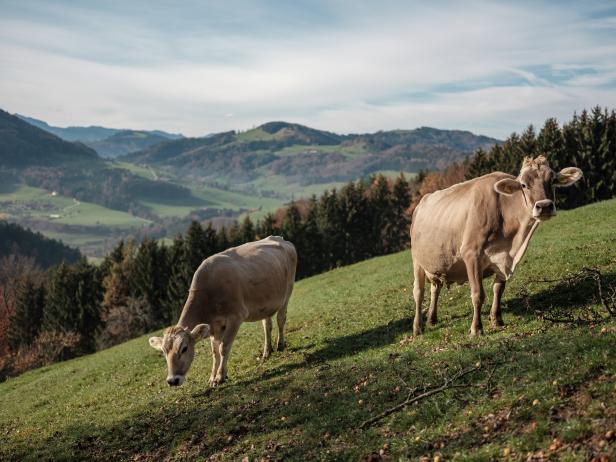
(346, 66)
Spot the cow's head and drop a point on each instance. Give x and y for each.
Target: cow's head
(537, 181)
(178, 346)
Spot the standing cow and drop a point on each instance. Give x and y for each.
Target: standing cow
(251, 282)
(479, 228)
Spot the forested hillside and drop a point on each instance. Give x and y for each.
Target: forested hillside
(21, 146)
(16, 240)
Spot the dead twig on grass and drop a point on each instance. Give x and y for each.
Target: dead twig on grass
(449, 383)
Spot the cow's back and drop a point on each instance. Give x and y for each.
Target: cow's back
(444, 221)
(256, 277)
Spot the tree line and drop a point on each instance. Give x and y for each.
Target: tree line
(587, 141)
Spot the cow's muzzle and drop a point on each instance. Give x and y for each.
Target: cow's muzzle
(175, 380)
(544, 209)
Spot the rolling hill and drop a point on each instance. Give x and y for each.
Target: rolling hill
(307, 156)
(23, 145)
(537, 390)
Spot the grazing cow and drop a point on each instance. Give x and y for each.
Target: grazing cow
(479, 228)
(251, 282)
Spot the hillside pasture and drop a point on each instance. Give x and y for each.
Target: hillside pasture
(535, 390)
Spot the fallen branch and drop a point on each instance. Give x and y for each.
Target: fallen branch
(446, 385)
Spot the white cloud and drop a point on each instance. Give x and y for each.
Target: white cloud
(369, 69)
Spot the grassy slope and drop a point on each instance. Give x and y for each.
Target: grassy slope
(346, 363)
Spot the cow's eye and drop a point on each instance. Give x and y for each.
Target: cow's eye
(184, 350)
(524, 185)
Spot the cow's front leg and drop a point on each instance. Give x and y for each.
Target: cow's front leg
(435, 289)
(228, 336)
(215, 343)
(267, 330)
(496, 317)
(475, 280)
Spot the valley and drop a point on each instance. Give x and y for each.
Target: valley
(92, 186)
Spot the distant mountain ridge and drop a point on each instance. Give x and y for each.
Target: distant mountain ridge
(309, 155)
(107, 142)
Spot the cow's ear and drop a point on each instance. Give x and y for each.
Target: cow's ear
(156, 343)
(567, 176)
(200, 332)
(507, 186)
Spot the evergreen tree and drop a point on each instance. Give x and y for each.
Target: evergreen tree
(312, 245)
(26, 322)
(267, 227)
(401, 201)
(73, 303)
(222, 239)
(331, 224)
(196, 246)
(150, 277)
(179, 279)
(235, 235)
(382, 215)
(247, 230)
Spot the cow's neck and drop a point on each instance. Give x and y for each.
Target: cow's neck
(191, 312)
(521, 226)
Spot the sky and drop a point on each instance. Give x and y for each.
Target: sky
(199, 67)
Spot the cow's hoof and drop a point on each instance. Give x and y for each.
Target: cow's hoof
(216, 381)
(432, 321)
(265, 355)
(281, 346)
(496, 323)
(476, 331)
(417, 331)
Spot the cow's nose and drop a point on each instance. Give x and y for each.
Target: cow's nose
(173, 381)
(544, 207)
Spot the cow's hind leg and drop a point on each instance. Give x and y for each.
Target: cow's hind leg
(419, 284)
(267, 330)
(215, 359)
(475, 279)
(496, 318)
(228, 336)
(281, 319)
(435, 290)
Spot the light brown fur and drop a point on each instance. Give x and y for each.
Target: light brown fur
(480, 228)
(251, 282)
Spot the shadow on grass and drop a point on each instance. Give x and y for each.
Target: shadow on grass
(301, 408)
(339, 347)
(352, 344)
(565, 295)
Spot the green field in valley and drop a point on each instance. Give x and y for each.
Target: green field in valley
(536, 390)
